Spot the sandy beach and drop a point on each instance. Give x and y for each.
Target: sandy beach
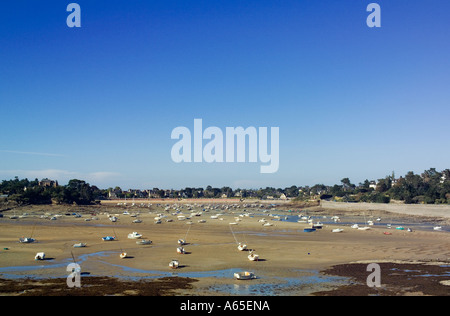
(287, 254)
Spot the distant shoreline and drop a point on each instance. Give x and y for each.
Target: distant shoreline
(430, 210)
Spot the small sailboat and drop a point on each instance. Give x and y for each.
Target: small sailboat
(134, 235)
(39, 256)
(181, 250)
(253, 256)
(244, 275)
(143, 242)
(317, 225)
(26, 240)
(174, 264)
(123, 255)
(242, 246)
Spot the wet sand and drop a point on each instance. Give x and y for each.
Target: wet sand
(286, 252)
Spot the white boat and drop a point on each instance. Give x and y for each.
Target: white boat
(123, 255)
(26, 240)
(174, 264)
(317, 225)
(364, 228)
(181, 250)
(79, 245)
(337, 230)
(39, 256)
(437, 228)
(137, 221)
(253, 256)
(355, 226)
(267, 224)
(143, 242)
(245, 275)
(113, 219)
(370, 223)
(181, 242)
(134, 235)
(242, 246)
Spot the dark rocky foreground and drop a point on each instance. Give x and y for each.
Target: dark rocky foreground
(94, 286)
(397, 279)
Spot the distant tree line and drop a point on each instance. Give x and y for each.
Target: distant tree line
(430, 187)
(31, 192)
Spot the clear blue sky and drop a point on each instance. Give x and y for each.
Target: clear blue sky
(99, 102)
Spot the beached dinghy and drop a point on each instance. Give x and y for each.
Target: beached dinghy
(26, 240)
(181, 242)
(123, 255)
(181, 250)
(337, 230)
(79, 245)
(39, 256)
(143, 242)
(245, 275)
(242, 246)
(309, 230)
(108, 238)
(437, 228)
(174, 264)
(253, 256)
(134, 235)
(317, 225)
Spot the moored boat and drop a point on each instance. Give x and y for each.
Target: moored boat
(134, 235)
(39, 256)
(253, 256)
(174, 264)
(26, 240)
(123, 255)
(242, 246)
(143, 242)
(244, 275)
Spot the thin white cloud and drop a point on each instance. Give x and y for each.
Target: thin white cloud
(31, 153)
